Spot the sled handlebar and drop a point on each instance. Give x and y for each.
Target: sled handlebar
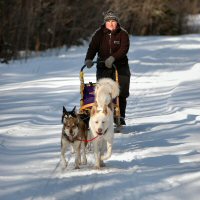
(94, 62)
(84, 66)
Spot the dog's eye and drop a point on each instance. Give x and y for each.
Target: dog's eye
(96, 122)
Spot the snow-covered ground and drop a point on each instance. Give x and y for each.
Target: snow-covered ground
(157, 157)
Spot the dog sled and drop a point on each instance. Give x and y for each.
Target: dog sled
(88, 98)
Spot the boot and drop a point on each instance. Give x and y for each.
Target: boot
(122, 105)
(122, 121)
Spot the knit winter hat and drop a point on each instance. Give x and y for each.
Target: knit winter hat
(110, 15)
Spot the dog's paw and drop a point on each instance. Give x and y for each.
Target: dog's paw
(64, 163)
(102, 164)
(84, 162)
(63, 167)
(97, 167)
(76, 167)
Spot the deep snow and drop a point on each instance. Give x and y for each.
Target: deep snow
(157, 157)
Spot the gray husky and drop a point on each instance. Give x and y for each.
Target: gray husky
(74, 133)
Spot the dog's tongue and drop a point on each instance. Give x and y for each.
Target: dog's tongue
(71, 138)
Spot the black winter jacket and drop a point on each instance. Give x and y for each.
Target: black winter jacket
(105, 43)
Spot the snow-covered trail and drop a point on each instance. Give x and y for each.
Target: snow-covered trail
(157, 157)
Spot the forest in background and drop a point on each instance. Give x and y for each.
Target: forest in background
(37, 25)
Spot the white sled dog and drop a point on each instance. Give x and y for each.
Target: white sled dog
(74, 134)
(101, 119)
(105, 91)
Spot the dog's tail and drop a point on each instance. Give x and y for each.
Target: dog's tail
(115, 89)
(109, 83)
(109, 152)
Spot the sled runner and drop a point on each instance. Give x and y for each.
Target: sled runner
(88, 97)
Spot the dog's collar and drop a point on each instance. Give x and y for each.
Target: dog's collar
(105, 131)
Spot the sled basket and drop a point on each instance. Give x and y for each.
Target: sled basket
(88, 97)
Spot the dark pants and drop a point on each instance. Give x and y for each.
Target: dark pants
(124, 82)
(122, 106)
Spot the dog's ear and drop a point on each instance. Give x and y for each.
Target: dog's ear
(63, 115)
(94, 109)
(64, 110)
(74, 110)
(105, 109)
(110, 105)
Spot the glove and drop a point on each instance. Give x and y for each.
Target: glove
(109, 61)
(88, 63)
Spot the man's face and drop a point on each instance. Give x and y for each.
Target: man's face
(111, 24)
